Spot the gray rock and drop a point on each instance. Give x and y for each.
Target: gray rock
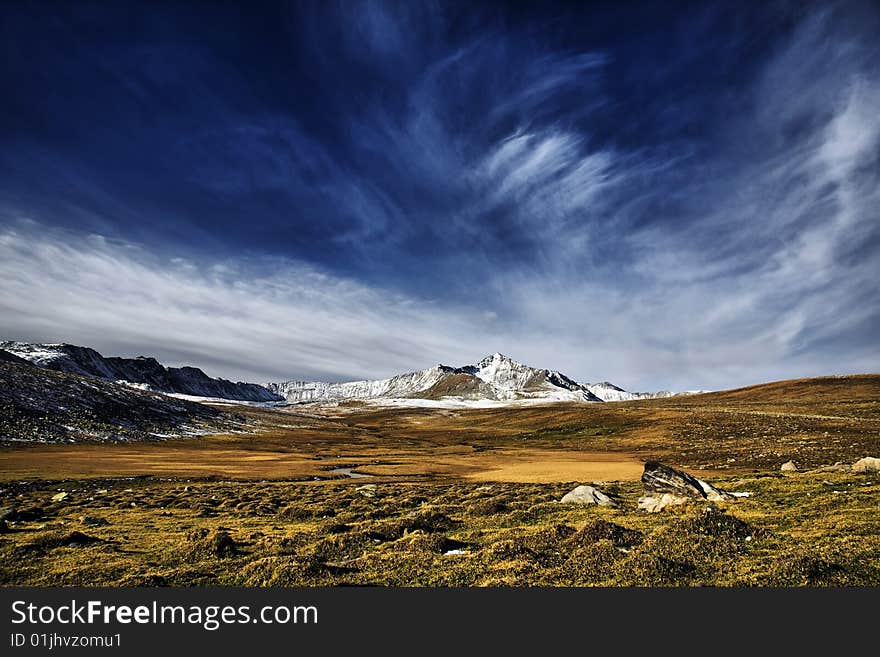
(788, 466)
(658, 502)
(367, 490)
(659, 478)
(8, 513)
(587, 495)
(94, 521)
(866, 465)
(837, 467)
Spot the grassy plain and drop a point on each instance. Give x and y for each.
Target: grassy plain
(462, 497)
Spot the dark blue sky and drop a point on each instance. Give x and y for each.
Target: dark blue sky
(660, 194)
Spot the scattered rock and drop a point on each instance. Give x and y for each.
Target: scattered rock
(656, 503)
(367, 490)
(587, 495)
(666, 486)
(788, 466)
(867, 465)
(58, 497)
(837, 467)
(659, 478)
(94, 521)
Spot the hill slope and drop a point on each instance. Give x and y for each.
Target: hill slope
(143, 371)
(841, 388)
(41, 405)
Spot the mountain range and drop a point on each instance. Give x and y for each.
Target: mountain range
(38, 404)
(494, 379)
(143, 372)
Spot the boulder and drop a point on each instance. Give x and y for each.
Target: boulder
(788, 466)
(659, 478)
(367, 490)
(94, 521)
(8, 513)
(587, 495)
(58, 497)
(656, 503)
(867, 465)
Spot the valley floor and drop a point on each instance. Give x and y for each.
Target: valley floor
(461, 497)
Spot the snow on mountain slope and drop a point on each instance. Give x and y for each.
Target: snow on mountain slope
(496, 377)
(62, 358)
(402, 385)
(513, 380)
(609, 392)
(6, 357)
(146, 373)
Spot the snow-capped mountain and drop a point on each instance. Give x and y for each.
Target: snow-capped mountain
(496, 377)
(142, 372)
(402, 385)
(609, 392)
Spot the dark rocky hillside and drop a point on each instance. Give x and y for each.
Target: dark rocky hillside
(148, 372)
(41, 405)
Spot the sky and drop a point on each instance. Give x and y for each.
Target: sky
(662, 195)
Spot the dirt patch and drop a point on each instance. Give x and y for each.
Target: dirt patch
(551, 467)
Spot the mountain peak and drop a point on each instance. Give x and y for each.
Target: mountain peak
(497, 357)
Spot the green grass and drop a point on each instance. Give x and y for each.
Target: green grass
(804, 529)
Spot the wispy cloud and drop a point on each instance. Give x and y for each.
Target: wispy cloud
(292, 322)
(464, 187)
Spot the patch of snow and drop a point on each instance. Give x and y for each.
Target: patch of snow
(219, 400)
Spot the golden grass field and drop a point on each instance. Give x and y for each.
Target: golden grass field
(265, 507)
